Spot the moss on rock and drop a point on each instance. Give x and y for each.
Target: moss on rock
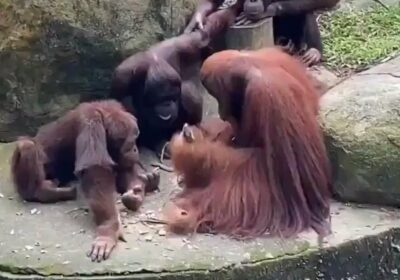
(361, 120)
(55, 54)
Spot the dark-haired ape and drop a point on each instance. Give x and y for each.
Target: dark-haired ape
(295, 22)
(161, 81)
(95, 142)
(204, 9)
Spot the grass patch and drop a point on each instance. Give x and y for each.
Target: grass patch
(355, 40)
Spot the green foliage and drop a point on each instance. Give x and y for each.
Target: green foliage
(355, 40)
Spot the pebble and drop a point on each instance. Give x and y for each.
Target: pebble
(34, 211)
(37, 243)
(143, 232)
(12, 232)
(27, 256)
(148, 238)
(43, 251)
(58, 246)
(18, 213)
(28, 247)
(246, 256)
(1, 195)
(66, 262)
(269, 256)
(14, 251)
(162, 232)
(186, 241)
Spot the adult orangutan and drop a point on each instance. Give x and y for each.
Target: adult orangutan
(294, 21)
(161, 81)
(97, 143)
(275, 177)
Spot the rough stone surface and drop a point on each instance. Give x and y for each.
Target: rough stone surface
(361, 119)
(323, 75)
(56, 53)
(50, 241)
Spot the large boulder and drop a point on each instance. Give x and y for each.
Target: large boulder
(54, 54)
(361, 118)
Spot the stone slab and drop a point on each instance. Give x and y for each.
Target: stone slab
(49, 242)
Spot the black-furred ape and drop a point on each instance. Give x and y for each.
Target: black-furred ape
(160, 83)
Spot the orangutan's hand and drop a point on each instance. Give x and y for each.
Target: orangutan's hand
(197, 21)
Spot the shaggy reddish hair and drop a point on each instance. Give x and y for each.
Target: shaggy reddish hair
(276, 178)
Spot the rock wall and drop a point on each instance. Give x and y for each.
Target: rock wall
(55, 54)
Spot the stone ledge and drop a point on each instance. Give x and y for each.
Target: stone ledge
(376, 256)
(365, 244)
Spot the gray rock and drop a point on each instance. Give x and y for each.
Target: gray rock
(55, 54)
(361, 118)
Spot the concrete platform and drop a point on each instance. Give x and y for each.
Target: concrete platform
(50, 241)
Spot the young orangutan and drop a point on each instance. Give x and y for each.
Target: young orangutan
(275, 177)
(97, 143)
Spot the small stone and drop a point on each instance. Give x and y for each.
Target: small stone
(18, 213)
(27, 256)
(14, 251)
(38, 212)
(269, 256)
(43, 251)
(162, 232)
(143, 232)
(66, 262)
(394, 271)
(34, 211)
(58, 246)
(1, 195)
(142, 216)
(148, 238)
(37, 244)
(82, 231)
(28, 247)
(246, 256)
(12, 232)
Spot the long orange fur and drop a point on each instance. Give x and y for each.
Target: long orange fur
(276, 179)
